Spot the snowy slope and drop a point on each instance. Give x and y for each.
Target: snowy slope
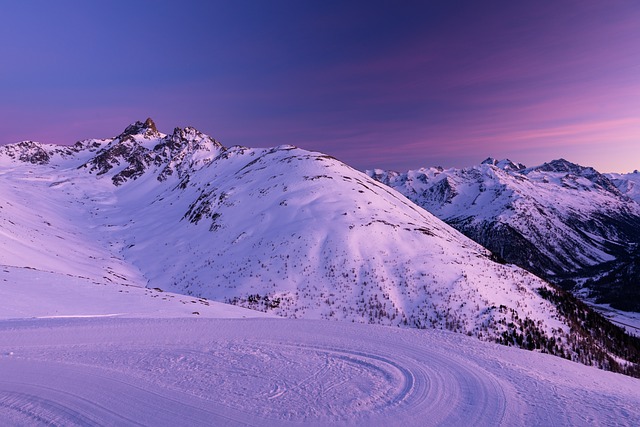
(192, 372)
(281, 229)
(74, 352)
(559, 220)
(48, 223)
(31, 293)
(628, 184)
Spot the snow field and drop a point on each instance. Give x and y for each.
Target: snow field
(115, 371)
(30, 293)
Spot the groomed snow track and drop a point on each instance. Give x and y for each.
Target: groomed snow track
(115, 371)
(264, 376)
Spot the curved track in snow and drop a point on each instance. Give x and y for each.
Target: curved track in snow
(281, 372)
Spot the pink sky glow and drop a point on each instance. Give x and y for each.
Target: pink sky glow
(375, 84)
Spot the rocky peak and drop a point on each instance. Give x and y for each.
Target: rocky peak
(504, 164)
(28, 152)
(385, 177)
(149, 124)
(561, 165)
(141, 147)
(489, 161)
(126, 150)
(507, 164)
(146, 129)
(190, 136)
(185, 149)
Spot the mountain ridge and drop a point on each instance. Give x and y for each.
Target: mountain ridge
(562, 221)
(281, 229)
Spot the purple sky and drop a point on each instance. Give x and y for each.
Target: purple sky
(389, 84)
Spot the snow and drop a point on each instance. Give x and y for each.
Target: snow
(315, 237)
(628, 184)
(180, 371)
(90, 335)
(628, 320)
(75, 352)
(78, 352)
(572, 216)
(28, 293)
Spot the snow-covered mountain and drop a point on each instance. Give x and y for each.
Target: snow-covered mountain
(281, 229)
(627, 183)
(559, 220)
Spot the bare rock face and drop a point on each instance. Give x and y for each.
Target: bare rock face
(149, 124)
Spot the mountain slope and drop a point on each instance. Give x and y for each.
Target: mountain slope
(280, 229)
(628, 184)
(559, 220)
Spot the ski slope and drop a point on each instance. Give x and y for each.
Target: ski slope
(185, 371)
(76, 352)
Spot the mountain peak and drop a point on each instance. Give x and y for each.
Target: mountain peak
(489, 161)
(146, 129)
(561, 165)
(142, 147)
(504, 164)
(27, 151)
(572, 171)
(150, 124)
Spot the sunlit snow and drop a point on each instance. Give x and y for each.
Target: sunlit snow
(90, 335)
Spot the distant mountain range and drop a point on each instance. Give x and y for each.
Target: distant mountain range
(303, 235)
(564, 222)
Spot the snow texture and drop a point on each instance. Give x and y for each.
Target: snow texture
(76, 353)
(114, 371)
